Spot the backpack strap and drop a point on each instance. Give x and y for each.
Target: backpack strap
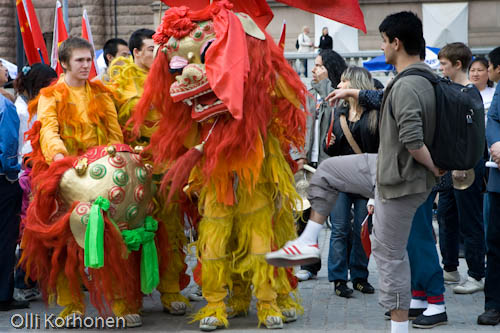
(348, 135)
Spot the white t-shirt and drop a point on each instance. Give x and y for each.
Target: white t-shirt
(487, 95)
(24, 116)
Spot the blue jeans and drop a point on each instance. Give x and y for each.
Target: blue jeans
(338, 263)
(461, 212)
(427, 281)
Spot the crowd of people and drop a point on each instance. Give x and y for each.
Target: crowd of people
(77, 152)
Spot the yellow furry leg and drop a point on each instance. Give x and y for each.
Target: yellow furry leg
(266, 309)
(240, 298)
(65, 298)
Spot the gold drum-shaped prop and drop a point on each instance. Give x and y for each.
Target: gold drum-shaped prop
(114, 172)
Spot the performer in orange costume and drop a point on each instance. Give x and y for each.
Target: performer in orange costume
(72, 116)
(223, 87)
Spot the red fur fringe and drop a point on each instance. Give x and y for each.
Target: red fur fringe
(178, 175)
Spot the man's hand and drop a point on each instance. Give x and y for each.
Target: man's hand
(321, 73)
(332, 140)
(495, 152)
(337, 94)
(58, 157)
(371, 209)
(438, 172)
(300, 163)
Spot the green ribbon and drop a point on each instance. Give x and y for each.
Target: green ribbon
(94, 235)
(150, 276)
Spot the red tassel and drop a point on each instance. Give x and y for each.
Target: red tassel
(178, 175)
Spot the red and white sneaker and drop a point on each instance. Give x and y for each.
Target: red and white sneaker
(294, 253)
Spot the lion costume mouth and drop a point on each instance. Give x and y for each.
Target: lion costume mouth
(192, 88)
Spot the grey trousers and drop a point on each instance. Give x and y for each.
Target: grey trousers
(391, 224)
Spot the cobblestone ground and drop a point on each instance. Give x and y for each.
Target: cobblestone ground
(324, 311)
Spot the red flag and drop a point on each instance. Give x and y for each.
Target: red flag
(29, 44)
(60, 35)
(283, 36)
(259, 10)
(365, 237)
(87, 34)
(343, 11)
(36, 31)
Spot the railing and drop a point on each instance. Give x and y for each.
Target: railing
(304, 62)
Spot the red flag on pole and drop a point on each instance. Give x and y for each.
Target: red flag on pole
(343, 11)
(87, 34)
(283, 36)
(60, 35)
(29, 44)
(36, 32)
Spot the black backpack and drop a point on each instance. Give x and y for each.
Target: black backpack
(297, 44)
(459, 139)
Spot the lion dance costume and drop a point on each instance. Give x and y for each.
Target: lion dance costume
(71, 236)
(230, 110)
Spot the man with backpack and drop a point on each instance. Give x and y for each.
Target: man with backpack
(399, 177)
(460, 211)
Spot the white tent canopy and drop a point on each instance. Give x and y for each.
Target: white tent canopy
(445, 23)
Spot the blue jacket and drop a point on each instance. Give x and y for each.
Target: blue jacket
(492, 136)
(9, 139)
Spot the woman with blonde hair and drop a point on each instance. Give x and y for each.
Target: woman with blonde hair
(353, 130)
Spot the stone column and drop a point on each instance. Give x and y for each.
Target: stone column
(8, 30)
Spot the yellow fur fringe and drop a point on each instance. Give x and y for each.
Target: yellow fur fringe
(217, 310)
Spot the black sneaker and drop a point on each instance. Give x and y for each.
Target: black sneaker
(412, 314)
(423, 321)
(342, 290)
(363, 286)
(489, 317)
(14, 305)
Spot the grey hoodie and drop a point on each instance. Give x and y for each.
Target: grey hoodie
(408, 121)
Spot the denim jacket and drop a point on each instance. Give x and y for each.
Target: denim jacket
(9, 139)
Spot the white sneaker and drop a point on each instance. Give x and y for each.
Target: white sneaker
(294, 253)
(304, 275)
(196, 295)
(26, 294)
(273, 322)
(209, 324)
(451, 277)
(469, 286)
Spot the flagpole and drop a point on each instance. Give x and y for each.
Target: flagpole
(65, 14)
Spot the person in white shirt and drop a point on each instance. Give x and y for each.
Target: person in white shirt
(478, 74)
(305, 46)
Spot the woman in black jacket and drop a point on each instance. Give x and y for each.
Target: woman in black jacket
(350, 119)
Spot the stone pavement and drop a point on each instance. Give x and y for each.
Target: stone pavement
(324, 311)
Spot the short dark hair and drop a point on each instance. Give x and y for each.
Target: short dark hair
(37, 77)
(73, 43)
(111, 47)
(137, 37)
(335, 65)
(407, 27)
(484, 62)
(494, 57)
(455, 52)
